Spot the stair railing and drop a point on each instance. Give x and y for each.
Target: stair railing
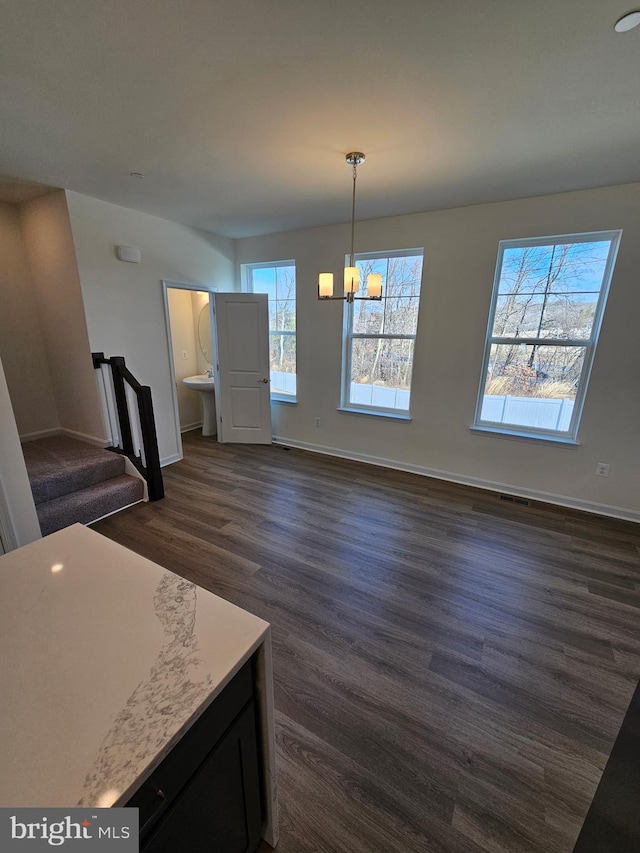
(129, 414)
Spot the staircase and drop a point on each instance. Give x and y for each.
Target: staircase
(74, 481)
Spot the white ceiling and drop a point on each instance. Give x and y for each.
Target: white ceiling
(240, 112)
(17, 192)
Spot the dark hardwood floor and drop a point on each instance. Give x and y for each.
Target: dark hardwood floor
(451, 671)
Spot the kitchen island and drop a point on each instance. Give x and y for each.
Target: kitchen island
(110, 663)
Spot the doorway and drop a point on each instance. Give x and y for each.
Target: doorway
(187, 315)
(230, 330)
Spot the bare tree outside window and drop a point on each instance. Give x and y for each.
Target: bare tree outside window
(381, 335)
(547, 307)
(278, 281)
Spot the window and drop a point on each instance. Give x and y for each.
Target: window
(278, 281)
(380, 336)
(548, 300)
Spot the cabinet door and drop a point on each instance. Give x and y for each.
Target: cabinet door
(219, 809)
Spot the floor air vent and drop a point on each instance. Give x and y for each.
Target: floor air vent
(512, 499)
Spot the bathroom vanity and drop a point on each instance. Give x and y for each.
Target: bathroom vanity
(124, 684)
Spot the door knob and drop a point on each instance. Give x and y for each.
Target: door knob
(263, 380)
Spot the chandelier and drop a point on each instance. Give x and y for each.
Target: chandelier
(351, 273)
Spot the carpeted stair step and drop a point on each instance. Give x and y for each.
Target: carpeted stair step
(58, 465)
(89, 504)
(73, 481)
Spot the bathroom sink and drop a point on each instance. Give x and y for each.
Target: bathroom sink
(201, 382)
(205, 385)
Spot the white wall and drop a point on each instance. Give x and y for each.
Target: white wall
(460, 255)
(183, 341)
(51, 259)
(22, 348)
(123, 302)
(18, 519)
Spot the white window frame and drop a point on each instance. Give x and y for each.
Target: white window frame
(348, 336)
(247, 285)
(571, 435)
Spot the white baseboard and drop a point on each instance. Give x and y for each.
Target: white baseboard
(81, 436)
(43, 433)
(490, 485)
(169, 460)
(189, 427)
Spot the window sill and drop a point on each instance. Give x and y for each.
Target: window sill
(284, 398)
(376, 413)
(527, 436)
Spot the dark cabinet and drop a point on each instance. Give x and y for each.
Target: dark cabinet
(205, 797)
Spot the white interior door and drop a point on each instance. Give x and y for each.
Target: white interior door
(243, 400)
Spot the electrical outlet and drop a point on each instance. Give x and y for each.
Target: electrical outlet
(602, 469)
(316, 421)
(185, 354)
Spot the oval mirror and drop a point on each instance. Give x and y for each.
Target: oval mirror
(204, 333)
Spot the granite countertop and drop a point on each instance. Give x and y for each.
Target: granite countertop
(107, 658)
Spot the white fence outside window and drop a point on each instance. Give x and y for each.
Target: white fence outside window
(283, 383)
(379, 396)
(539, 412)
